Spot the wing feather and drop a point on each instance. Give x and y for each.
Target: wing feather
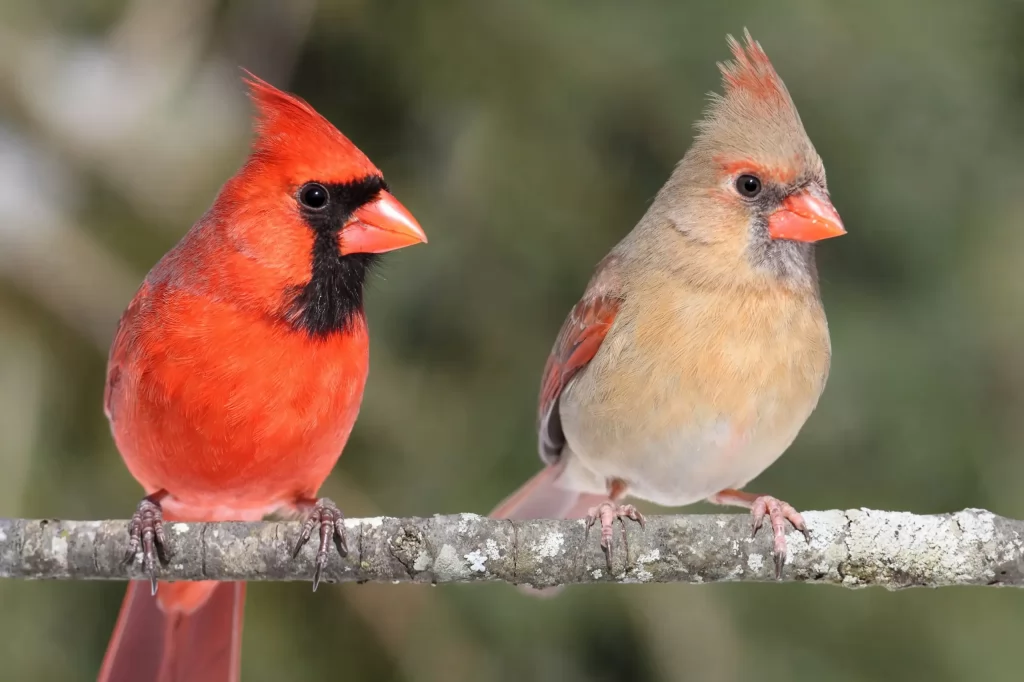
(577, 343)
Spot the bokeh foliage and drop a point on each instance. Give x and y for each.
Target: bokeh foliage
(528, 137)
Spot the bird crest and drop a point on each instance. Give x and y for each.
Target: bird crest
(751, 72)
(292, 134)
(754, 122)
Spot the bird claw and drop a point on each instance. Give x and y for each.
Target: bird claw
(607, 513)
(330, 519)
(778, 513)
(146, 529)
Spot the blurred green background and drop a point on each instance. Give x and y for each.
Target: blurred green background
(528, 137)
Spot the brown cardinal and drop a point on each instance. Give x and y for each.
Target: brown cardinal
(700, 346)
(237, 372)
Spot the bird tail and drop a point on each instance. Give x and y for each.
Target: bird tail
(191, 631)
(542, 498)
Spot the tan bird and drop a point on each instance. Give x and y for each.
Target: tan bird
(700, 346)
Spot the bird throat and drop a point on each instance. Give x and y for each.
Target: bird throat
(333, 298)
(791, 262)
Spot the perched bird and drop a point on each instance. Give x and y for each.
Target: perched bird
(237, 372)
(700, 346)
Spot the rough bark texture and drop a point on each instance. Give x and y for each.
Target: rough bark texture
(854, 548)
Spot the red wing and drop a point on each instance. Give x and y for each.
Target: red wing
(119, 347)
(577, 343)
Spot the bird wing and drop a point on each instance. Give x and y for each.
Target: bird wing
(123, 338)
(576, 345)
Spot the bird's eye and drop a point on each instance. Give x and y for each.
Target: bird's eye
(313, 195)
(748, 186)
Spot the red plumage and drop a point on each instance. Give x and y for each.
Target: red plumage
(237, 371)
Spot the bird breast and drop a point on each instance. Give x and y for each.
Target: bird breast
(695, 391)
(222, 408)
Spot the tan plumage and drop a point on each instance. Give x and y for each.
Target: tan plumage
(700, 347)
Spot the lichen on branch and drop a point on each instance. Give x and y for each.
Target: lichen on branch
(854, 548)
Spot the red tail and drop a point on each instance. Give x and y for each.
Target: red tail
(191, 632)
(542, 498)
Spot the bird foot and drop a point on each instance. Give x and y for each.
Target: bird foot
(331, 521)
(778, 513)
(146, 529)
(607, 513)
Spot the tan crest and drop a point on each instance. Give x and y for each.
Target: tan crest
(754, 123)
(751, 71)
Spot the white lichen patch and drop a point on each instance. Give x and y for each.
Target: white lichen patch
(422, 562)
(477, 561)
(3, 535)
(942, 549)
(755, 562)
(641, 576)
(464, 521)
(180, 528)
(596, 574)
(491, 549)
(59, 549)
(826, 527)
(551, 545)
(448, 564)
(977, 523)
(1012, 550)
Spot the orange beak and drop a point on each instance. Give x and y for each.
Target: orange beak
(806, 216)
(379, 226)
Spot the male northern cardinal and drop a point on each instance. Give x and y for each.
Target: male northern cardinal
(700, 346)
(237, 372)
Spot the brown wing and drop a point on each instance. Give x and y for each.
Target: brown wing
(577, 343)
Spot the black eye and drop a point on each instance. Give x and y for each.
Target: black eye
(748, 185)
(313, 196)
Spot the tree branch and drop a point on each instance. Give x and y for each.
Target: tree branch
(854, 548)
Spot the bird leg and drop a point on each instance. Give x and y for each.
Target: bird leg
(146, 529)
(331, 521)
(607, 512)
(778, 513)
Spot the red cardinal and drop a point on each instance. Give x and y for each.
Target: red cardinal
(700, 347)
(237, 373)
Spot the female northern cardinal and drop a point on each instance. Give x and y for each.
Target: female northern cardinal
(700, 347)
(237, 372)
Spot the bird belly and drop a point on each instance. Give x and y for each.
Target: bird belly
(686, 467)
(253, 425)
(683, 465)
(682, 410)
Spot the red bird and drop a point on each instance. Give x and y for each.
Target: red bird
(237, 372)
(700, 347)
